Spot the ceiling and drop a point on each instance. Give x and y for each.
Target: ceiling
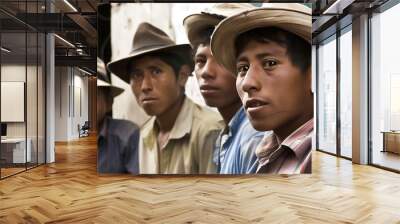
(332, 15)
(74, 22)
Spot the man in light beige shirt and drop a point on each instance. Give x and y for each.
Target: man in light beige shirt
(180, 137)
(188, 149)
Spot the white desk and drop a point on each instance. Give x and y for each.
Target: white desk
(18, 149)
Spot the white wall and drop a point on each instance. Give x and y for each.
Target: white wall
(70, 84)
(33, 126)
(12, 73)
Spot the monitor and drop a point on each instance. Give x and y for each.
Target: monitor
(3, 129)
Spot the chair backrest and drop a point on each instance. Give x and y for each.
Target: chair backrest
(86, 125)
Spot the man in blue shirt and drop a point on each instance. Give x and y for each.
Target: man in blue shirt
(117, 140)
(235, 147)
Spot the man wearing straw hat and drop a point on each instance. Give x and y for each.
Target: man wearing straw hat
(179, 138)
(235, 147)
(269, 50)
(118, 140)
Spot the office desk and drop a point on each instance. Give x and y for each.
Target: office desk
(391, 141)
(13, 150)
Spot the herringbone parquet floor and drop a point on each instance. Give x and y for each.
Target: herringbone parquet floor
(70, 191)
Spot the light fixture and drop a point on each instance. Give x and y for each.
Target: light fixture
(64, 40)
(337, 7)
(84, 71)
(70, 5)
(5, 50)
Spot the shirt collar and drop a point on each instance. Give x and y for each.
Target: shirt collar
(236, 120)
(298, 136)
(270, 142)
(182, 125)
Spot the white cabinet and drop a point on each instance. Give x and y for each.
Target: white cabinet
(17, 145)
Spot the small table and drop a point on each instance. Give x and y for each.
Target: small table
(13, 150)
(391, 141)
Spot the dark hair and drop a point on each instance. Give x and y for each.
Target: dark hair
(174, 60)
(298, 49)
(203, 38)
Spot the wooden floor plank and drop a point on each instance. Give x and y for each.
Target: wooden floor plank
(70, 191)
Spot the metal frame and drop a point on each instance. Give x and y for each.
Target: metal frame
(44, 71)
(389, 4)
(338, 153)
(381, 9)
(317, 94)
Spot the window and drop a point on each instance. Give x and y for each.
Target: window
(346, 92)
(385, 89)
(327, 96)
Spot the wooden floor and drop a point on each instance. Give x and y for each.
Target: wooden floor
(70, 191)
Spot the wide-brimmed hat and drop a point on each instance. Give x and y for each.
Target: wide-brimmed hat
(210, 17)
(102, 77)
(150, 39)
(292, 17)
(114, 90)
(101, 70)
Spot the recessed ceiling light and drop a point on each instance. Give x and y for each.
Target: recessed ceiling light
(64, 40)
(5, 50)
(84, 71)
(70, 5)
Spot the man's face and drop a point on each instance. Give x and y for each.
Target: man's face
(155, 85)
(217, 85)
(275, 93)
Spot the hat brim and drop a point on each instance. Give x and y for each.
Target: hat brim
(223, 48)
(120, 67)
(196, 23)
(114, 91)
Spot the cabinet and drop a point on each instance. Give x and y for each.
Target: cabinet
(391, 141)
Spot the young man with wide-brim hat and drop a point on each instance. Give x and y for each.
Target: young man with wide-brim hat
(117, 140)
(179, 138)
(269, 50)
(234, 151)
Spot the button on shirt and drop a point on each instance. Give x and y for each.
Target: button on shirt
(292, 156)
(118, 142)
(189, 147)
(235, 147)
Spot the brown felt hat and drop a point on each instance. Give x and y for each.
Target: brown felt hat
(149, 39)
(196, 23)
(102, 76)
(292, 17)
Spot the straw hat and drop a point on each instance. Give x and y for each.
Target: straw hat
(210, 17)
(149, 39)
(292, 17)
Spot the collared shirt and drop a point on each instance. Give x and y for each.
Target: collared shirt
(189, 147)
(235, 147)
(292, 156)
(118, 142)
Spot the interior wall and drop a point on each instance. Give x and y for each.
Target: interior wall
(71, 102)
(17, 73)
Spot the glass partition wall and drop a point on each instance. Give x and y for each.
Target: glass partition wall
(334, 94)
(385, 89)
(22, 77)
(345, 92)
(326, 59)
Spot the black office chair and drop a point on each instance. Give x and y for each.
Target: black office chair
(84, 130)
